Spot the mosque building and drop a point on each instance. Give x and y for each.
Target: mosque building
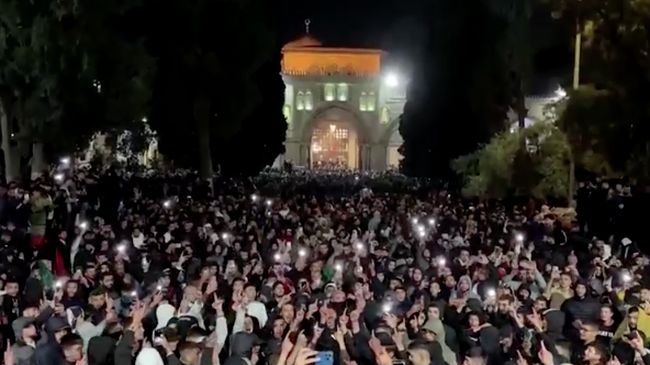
(342, 107)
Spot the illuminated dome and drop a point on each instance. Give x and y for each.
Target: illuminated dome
(304, 41)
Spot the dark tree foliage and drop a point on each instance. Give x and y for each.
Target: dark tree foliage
(261, 138)
(54, 56)
(215, 59)
(458, 97)
(109, 88)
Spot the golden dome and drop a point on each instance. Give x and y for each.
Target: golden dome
(302, 42)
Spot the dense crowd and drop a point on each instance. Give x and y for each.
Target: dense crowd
(323, 268)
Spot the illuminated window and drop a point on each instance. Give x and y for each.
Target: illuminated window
(342, 92)
(372, 102)
(384, 117)
(286, 110)
(329, 91)
(363, 101)
(300, 101)
(309, 101)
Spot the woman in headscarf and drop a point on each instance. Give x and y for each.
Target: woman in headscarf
(464, 289)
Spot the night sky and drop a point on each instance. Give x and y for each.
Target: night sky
(400, 28)
(395, 26)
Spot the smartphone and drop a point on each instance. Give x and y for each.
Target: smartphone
(325, 358)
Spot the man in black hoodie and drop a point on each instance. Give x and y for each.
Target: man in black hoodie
(581, 308)
(50, 352)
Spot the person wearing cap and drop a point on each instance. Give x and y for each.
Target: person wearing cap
(26, 336)
(50, 351)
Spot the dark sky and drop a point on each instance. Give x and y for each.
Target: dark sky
(399, 27)
(392, 25)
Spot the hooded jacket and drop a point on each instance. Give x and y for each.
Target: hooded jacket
(101, 350)
(456, 294)
(436, 326)
(554, 323)
(22, 352)
(49, 352)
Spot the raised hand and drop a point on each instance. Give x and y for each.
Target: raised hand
(212, 285)
(9, 355)
(381, 355)
(306, 357)
(217, 304)
(287, 345)
(545, 356)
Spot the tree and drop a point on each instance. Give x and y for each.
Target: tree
(66, 72)
(110, 88)
(31, 57)
(261, 138)
(503, 168)
(207, 64)
(594, 123)
(612, 109)
(515, 51)
(461, 94)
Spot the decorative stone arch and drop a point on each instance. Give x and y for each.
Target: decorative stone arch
(357, 121)
(342, 112)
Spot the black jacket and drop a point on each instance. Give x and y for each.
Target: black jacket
(585, 309)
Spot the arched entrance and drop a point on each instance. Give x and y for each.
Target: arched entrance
(335, 137)
(334, 145)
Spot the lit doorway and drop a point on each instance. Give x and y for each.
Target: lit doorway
(334, 146)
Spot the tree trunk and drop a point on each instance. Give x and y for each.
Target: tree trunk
(521, 105)
(202, 119)
(11, 168)
(572, 179)
(38, 159)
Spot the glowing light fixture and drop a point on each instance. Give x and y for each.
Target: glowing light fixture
(391, 80)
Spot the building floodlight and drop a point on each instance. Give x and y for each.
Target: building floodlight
(391, 80)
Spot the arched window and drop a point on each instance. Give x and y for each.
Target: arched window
(309, 101)
(286, 110)
(342, 92)
(372, 102)
(300, 101)
(384, 117)
(330, 90)
(363, 101)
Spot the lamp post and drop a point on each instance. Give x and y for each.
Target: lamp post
(577, 54)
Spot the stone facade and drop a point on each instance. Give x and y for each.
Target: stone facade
(341, 88)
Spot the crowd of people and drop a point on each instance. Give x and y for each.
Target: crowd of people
(301, 268)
